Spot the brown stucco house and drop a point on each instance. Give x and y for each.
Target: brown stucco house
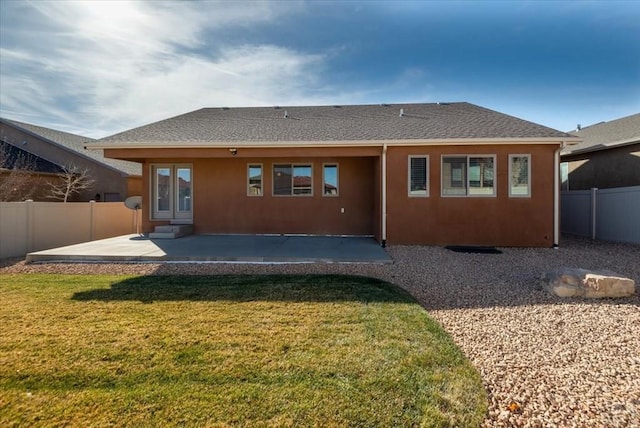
(608, 156)
(441, 173)
(114, 180)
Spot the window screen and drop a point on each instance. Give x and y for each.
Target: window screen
(418, 166)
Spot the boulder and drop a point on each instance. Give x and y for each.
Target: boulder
(572, 282)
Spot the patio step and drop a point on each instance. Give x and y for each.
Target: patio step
(171, 231)
(181, 221)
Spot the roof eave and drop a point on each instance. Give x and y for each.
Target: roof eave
(322, 144)
(601, 147)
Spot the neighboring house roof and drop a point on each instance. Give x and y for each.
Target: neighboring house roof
(14, 157)
(75, 143)
(605, 135)
(351, 123)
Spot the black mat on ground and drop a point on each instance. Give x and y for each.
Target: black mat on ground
(473, 249)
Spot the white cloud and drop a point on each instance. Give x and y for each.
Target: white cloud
(245, 76)
(102, 67)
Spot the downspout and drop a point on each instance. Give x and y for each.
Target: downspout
(556, 195)
(384, 195)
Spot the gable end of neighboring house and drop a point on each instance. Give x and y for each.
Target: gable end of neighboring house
(24, 175)
(114, 180)
(607, 157)
(436, 174)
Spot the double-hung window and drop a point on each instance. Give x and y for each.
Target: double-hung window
(520, 176)
(292, 180)
(418, 176)
(472, 175)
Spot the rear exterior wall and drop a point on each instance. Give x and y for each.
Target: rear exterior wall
(498, 220)
(221, 203)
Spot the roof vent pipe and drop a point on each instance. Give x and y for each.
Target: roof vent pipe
(286, 115)
(578, 127)
(401, 112)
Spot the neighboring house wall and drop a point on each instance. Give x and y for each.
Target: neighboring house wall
(107, 180)
(34, 186)
(134, 186)
(603, 169)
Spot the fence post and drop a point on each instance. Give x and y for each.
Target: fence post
(594, 211)
(92, 204)
(30, 225)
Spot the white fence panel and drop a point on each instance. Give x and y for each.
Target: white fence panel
(56, 224)
(14, 231)
(34, 226)
(614, 215)
(112, 220)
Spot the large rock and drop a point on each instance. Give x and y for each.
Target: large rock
(571, 282)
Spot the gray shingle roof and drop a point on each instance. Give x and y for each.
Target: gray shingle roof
(604, 135)
(18, 158)
(76, 143)
(335, 123)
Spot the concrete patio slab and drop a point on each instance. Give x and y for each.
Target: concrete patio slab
(220, 248)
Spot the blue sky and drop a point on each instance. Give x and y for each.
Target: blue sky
(97, 68)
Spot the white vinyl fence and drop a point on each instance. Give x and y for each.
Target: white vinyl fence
(34, 226)
(607, 214)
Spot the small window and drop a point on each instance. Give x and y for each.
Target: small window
(481, 176)
(330, 180)
(418, 175)
(468, 175)
(292, 180)
(454, 176)
(254, 177)
(519, 175)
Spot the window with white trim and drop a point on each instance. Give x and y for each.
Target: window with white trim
(254, 180)
(418, 175)
(519, 175)
(292, 180)
(472, 175)
(330, 179)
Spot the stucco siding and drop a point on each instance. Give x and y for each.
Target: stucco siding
(471, 220)
(221, 203)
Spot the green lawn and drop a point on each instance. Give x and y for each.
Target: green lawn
(226, 351)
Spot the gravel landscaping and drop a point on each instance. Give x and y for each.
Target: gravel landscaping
(545, 361)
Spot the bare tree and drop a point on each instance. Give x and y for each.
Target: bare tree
(18, 180)
(72, 180)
